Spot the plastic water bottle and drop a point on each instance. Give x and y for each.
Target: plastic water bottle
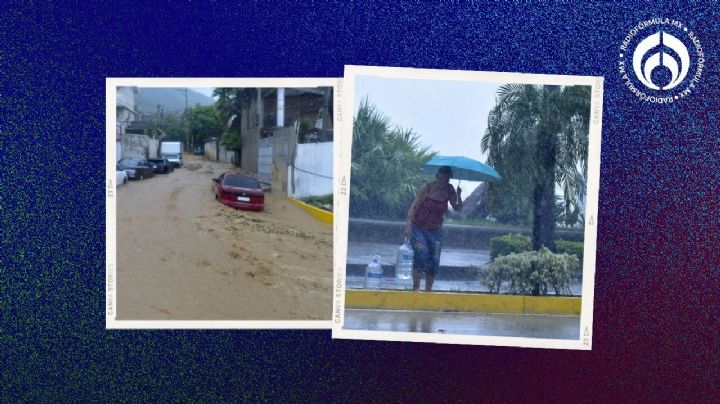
(404, 263)
(373, 274)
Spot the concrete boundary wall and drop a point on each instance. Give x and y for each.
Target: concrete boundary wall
(265, 160)
(459, 236)
(226, 155)
(283, 144)
(138, 146)
(313, 174)
(249, 152)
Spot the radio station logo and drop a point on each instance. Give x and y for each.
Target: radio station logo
(661, 60)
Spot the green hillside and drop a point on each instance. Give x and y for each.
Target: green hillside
(172, 100)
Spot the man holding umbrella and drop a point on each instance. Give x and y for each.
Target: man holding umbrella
(424, 224)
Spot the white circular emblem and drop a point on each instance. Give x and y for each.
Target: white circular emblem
(667, 60)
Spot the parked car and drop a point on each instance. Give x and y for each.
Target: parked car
(136, 169)
(239, 191)
(162, 166)
(174, 158)
(121, 175)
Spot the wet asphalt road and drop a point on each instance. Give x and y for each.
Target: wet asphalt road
(500, 325)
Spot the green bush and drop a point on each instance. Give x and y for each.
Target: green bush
(532, 272)
(570, 247)
(509, 244)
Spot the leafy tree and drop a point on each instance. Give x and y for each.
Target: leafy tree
(205, 123)
(231, 103)
(173, 124)
(537, 137)
(386, 163)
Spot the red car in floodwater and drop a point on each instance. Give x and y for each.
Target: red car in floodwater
(239, 191)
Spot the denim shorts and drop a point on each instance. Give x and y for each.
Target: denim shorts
(426, 246)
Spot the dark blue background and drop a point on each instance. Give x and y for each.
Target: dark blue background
(656, 295)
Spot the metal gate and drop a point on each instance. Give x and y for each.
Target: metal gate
(265, 160)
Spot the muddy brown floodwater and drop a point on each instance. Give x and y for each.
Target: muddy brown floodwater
(183, 256)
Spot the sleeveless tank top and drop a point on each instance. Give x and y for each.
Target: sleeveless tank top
(429, 215)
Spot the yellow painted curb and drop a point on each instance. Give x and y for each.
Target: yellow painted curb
(321, 214)
(552, 305)
(465, 302)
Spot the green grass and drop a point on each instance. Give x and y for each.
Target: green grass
(321, 202)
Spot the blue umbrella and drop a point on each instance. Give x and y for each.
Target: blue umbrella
(463, 168)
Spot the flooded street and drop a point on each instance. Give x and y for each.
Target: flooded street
(181, 255)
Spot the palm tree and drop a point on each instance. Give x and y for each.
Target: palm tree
(537, 138)
(386, 163)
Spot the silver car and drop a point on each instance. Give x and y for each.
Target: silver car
(174, 158)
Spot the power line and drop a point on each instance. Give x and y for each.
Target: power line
(310, 172)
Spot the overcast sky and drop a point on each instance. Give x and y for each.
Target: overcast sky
(449, 116)
(204, 90)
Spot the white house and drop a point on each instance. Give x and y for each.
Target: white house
(125, 113)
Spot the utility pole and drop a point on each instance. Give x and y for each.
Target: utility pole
(260, 109)
(325, 115)
(187, 119)
(188, 139)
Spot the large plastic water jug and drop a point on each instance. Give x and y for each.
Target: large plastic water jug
(373, 274)
(404, 263)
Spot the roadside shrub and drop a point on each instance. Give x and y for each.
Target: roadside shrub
(570, 247)
(532, 272)
(509, 244)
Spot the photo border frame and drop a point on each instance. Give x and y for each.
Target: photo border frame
(111, 85)
(346, 95)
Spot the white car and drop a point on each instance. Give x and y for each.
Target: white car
(122, 177)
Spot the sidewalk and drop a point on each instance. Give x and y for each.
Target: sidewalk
(361, 253)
